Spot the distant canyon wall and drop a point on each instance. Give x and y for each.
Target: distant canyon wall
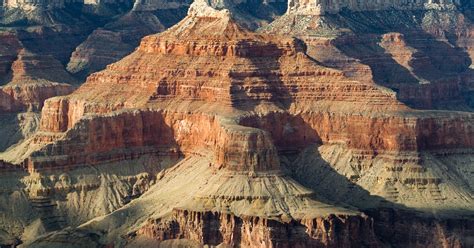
(321, 7)
(142, 5)
(307, 7)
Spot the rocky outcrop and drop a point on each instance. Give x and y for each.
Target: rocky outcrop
(224, 66)
(321, 7)
(112, 138)
(35, 78)
(30, 65)
(30, 96)
(151, 17)
(31, 68)
(119, 38)
(376, 49)
(159, 5)
(249, 14)
(276, 70)
(420, 78)
(262, 139)
(356, 131)
(10, 47)
(213, 228)
(101, 48)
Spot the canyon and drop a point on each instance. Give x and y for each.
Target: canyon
(237, 124)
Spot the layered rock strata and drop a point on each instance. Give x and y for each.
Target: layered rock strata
(219, 228)
(152, 17)
(52, 30)
(375, 48)
(268, 134)
(34, 78)
(119, 38)
(321, 7)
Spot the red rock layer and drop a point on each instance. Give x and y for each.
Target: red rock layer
(131, 134)
(368, 134)
(406, 63)
(209, 87)
(231, 67)
(216, 61)
(221, 228)
(421, 63)
(29, 65)
(35, 78)
(30, 96)
(238, 147)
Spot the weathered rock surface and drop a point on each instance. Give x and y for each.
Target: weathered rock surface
(321, 7)
(54, 29)
(210, 134)
(393, 48)
(34, 78)
(86, 36)
(101, 48)
(32, 69)
(151, 17)
(119, 38)
(215, 228)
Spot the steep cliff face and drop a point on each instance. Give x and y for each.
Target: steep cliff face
(321, 7)
(101, 48)
(224, 136)
(119, 37)
(34, 78)
(392, 48)
(424, 57)
(226, 229)
(151, 17)
(219, 63)
(57, 29)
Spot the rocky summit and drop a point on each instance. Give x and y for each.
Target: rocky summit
(230, 123)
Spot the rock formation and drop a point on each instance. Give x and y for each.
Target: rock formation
(86, 36)
(321, 7)
(118, 38)
(151, 17)
(394, 49)
(35, 78)
(212, 134)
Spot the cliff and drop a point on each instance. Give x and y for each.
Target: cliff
(216, 228)
(34, 78)
(375, 48)
(322, 7)
(212, 134)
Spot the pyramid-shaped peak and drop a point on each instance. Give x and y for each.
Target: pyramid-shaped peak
(209, 26)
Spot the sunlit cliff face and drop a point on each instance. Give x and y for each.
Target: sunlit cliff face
(211, 133)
